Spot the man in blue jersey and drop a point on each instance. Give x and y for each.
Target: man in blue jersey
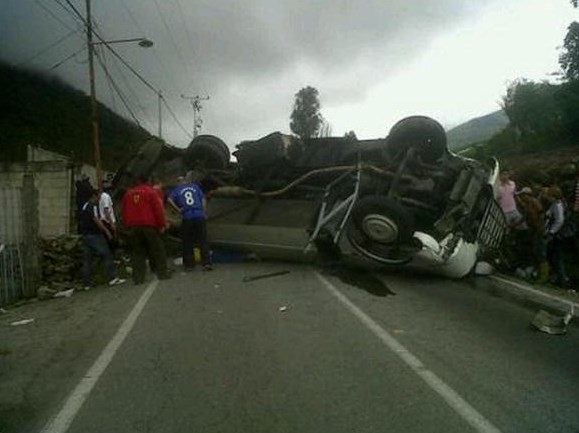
(189, 201)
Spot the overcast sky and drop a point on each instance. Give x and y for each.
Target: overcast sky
(373, 61)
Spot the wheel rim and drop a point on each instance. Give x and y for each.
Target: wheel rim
(380, 228)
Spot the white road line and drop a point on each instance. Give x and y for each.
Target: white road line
(452, 398)
(62, 421)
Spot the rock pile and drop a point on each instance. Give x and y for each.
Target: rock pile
(61, 261)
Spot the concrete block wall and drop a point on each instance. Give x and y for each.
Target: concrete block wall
(53, 180)
(10, 215)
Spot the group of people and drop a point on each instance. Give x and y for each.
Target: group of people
(542, 227)
(145, 221)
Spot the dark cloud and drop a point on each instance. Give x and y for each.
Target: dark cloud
(251, 56)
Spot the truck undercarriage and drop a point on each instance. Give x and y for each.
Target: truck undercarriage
(387, 200)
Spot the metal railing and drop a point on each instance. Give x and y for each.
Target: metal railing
(11, 244)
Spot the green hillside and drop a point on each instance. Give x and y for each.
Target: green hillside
(476, 130)
(44, 111)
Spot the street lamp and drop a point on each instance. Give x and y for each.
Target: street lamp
(143, 42)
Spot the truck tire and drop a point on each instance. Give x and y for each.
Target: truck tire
(207, 151)
(378, 227)
(422, 132)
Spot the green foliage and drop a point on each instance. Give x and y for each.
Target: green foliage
(44, 111)
(569, 58)
(542, 116)
(306, 119)
(532, 109)
(351, 135)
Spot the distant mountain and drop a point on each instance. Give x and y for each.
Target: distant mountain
(476, 130)
(42, 110)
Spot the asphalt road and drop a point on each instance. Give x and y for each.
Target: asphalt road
(398, 353)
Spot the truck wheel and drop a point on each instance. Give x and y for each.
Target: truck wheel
(378, 227)
(422, 132)
(207, 151)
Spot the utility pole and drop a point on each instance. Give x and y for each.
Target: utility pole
(160, 99)
(196, 104)
(93, 101)
(143, 42)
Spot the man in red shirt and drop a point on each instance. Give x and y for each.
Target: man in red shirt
(144, 218)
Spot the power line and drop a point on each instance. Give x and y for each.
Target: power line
(126, 64)
(140, 29)
(121, 96)
(67, 10)
(188, 34)
(130, 89)
(111, 90)
(53, 15)
(132, 17)
(74, 9)
(66, 59)
(47, 48)
(175, 118)
(112, 50)
(124, 79)
(171, 38)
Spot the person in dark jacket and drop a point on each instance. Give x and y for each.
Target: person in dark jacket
(144, 218)
(555, 242)
(94, 238)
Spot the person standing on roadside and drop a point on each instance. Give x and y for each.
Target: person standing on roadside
(554, 239)
(144, 218)
(507, 201)
(94, 239)
(108, 218)
(188, 199)
(534, 216)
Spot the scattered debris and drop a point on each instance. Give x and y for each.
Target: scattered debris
(178, 261)
(483, 269)
(64, 294)
(252, 257)
(262, 276)
(22, 322)
(3, 311)
(44, 293)
(283, 309)
(216, 286)
(552, 324)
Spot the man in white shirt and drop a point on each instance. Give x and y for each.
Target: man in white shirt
(107, 216)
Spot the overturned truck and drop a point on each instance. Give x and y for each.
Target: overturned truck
(400, 201)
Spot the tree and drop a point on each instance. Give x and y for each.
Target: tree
(351, 136)
(306, 119)
(531, 107)
(569, 58)
(574, 3)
